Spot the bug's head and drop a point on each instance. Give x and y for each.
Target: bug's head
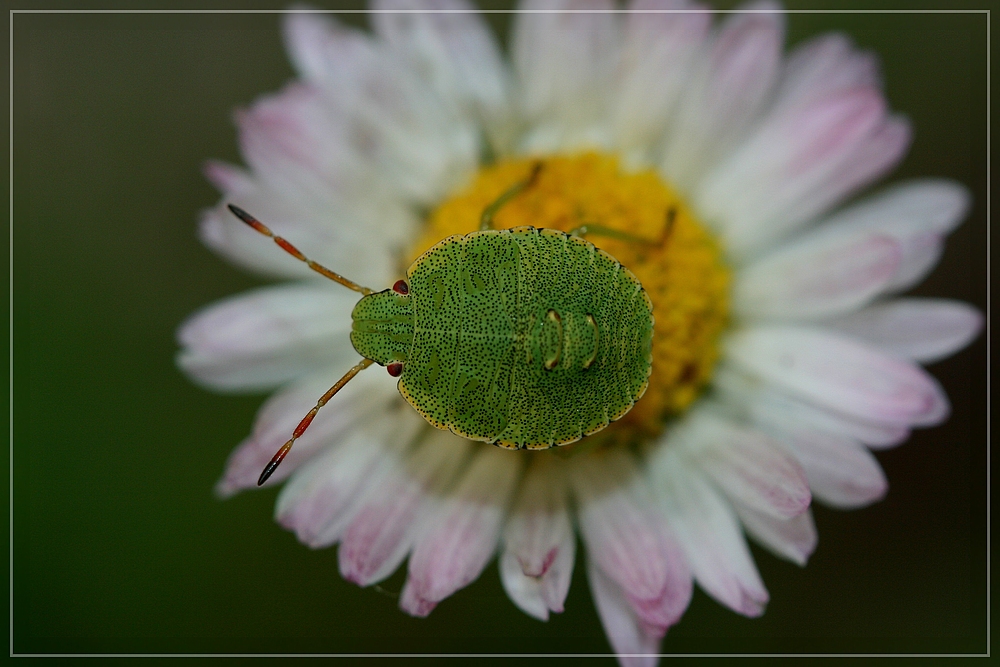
(383, 326)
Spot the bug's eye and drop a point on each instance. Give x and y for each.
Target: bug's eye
(395, 368)
(400, 287)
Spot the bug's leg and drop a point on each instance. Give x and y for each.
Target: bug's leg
(304, 424)
(600, 230)
(486, 221)
(294, 252)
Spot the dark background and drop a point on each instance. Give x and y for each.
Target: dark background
(118, 542)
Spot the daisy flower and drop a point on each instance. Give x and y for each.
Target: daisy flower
(782, 353)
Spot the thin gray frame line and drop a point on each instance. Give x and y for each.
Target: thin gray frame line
(500, 11)
(988, 392)
(482, 11)
(499, 655)
(10, 307)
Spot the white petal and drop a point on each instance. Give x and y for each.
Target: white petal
(798, 164)
(537, 596)
(555, 583)
(872, 158)
(825, 64)
(306, 40)
(366, 396)
(298, 143)
(616, 529)
(917, 213)
(267, 336)
(924, 330)
(748, 465)
(709, 533)
(793, 539)
(817, 277)
(539, 520)
(841, 472)
(321, 183)
(454, 53)
(539, 539)
(768, 406)
(388, 519)
(841, 374)
(635, 644)
(565, 63)
(321, 498)
(462, 535)
(657, 52)
(524, 591)
(628, 542)
(416, 141)
(728, 89)
(923, 205)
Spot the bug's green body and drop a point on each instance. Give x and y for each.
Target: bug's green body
(526, 338)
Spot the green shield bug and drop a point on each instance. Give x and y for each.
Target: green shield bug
(526, 338)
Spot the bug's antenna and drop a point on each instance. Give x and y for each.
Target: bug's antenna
(304, 424)
(294, 252)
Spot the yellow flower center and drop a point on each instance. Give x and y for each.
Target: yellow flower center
(684, 275)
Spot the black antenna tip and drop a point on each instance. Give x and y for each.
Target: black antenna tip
(239, 213)
(268, 470)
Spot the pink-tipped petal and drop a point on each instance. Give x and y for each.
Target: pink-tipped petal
(839, 373)
(769, 407)
(464, 531)
(539, 544)
(635, 644)
(268, 336)
(918, 214)
(841, 472)
(793, 539)
(386, 524)
(362, 398)
(322, 498)
(411, 602)
(870, 160)
(822, 65)
(924, 330)
(539, 521)
(657, 52)
(630, 544)
(524, 591)
(227, 179)
(790, 169)
(617, 529)
(923, 205)
(708, 531)
(555, 582)
(419, 145)
(816, 278)
(748, 465)
(539, 595)
(725, 94)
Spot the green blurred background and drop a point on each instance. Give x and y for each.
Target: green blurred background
(119, 544)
